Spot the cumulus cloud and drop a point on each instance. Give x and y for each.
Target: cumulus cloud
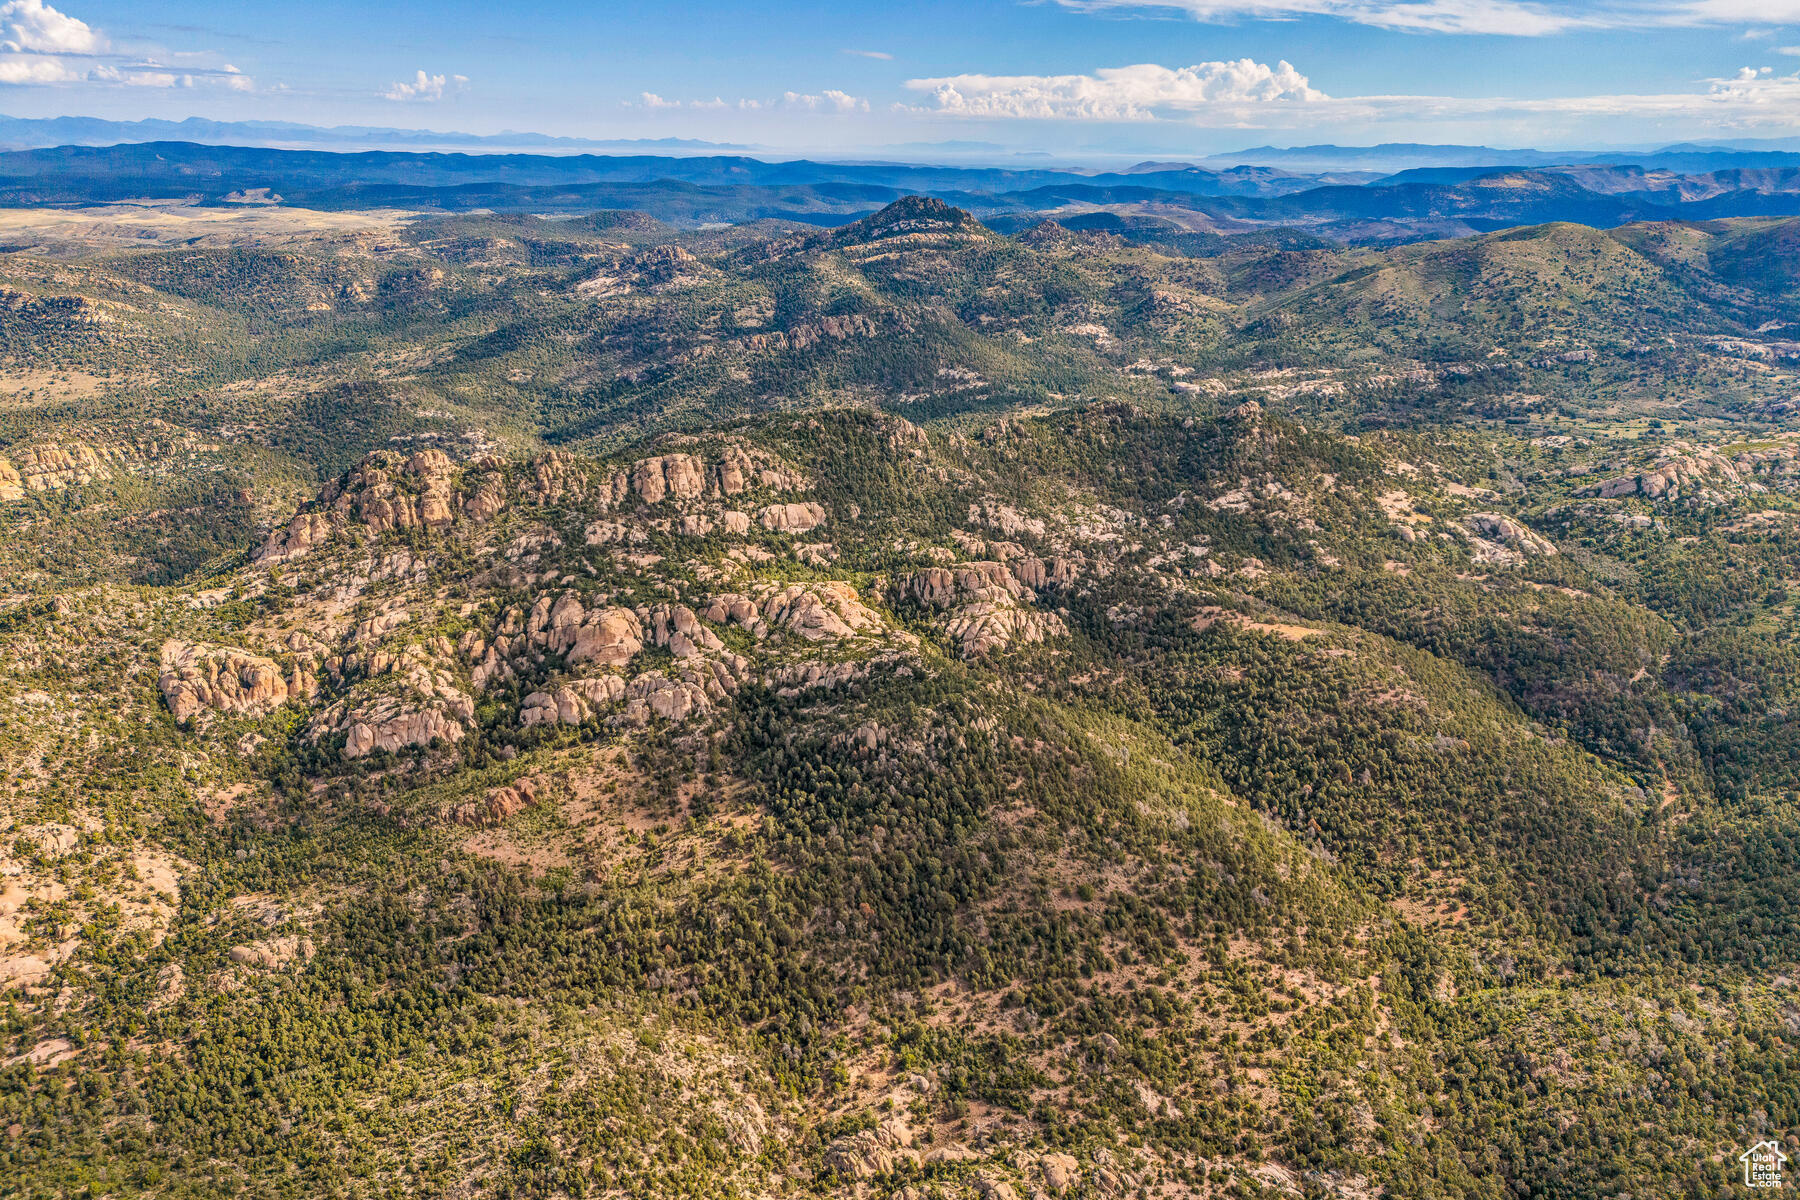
(829, 101)
(1250, 95)
(40, 45)
(1512, 18)
(148, 75)
(20, 70)
(1141, 92)
(427, 88)
(33, 27)
(1754, 98)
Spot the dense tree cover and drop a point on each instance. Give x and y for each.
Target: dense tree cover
(1428, 861)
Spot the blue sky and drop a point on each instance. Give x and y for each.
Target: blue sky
(1068, 76)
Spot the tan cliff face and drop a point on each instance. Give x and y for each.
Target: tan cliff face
(426, 491)
(990, 606)
(1703, 476)
(657, 588)
(430, 492)
(577, 651)
(378, 686)
(412, 703)
(54, 466)
(200, 677)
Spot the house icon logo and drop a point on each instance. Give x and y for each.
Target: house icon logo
(1762, 1164)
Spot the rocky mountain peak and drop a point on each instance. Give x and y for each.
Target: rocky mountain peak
(911, 215)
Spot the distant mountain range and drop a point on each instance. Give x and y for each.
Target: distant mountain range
(26, 133)
(31, 133)
(85, 174)
(1399, 156)
(1182, 203)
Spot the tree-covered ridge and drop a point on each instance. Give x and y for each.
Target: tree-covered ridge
(1150, 777)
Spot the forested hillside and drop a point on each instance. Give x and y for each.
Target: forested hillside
(498, 706)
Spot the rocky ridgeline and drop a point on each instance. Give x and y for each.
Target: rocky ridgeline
(803, 335)
(390, 490)
(890, 1145)
(1499, 539)
(427, 490)
(1704, 476)
(197, 677)
(52, 466)
(601, 643)
(988, 606)
(390, 690)
(406, 700)
(657, 270)
(64, 310)
(687, 476)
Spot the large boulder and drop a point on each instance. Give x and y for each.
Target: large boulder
(1508, 532)
(679, 476)
(941, 587)
(818, 611)
(393, 727)
(676, 626)
(497, 805)
(792, 518)
(196, 677)
(571, 703)
(417, 703)
(610, 638)
(988, 605)
(1061, 1172)
(871, 1152)
(299, 537)
(654, 693)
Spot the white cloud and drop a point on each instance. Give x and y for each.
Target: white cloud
(33, 27)
(829, 101)
(41, 45)
(1754, 98)
(1715, 12)
(147, 75)
(883, 55)
(1250, 95)
(1511, 18)
(1516, 18)
(1790, 51)
(1140, 92)
(423, 87)
(37, 69)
